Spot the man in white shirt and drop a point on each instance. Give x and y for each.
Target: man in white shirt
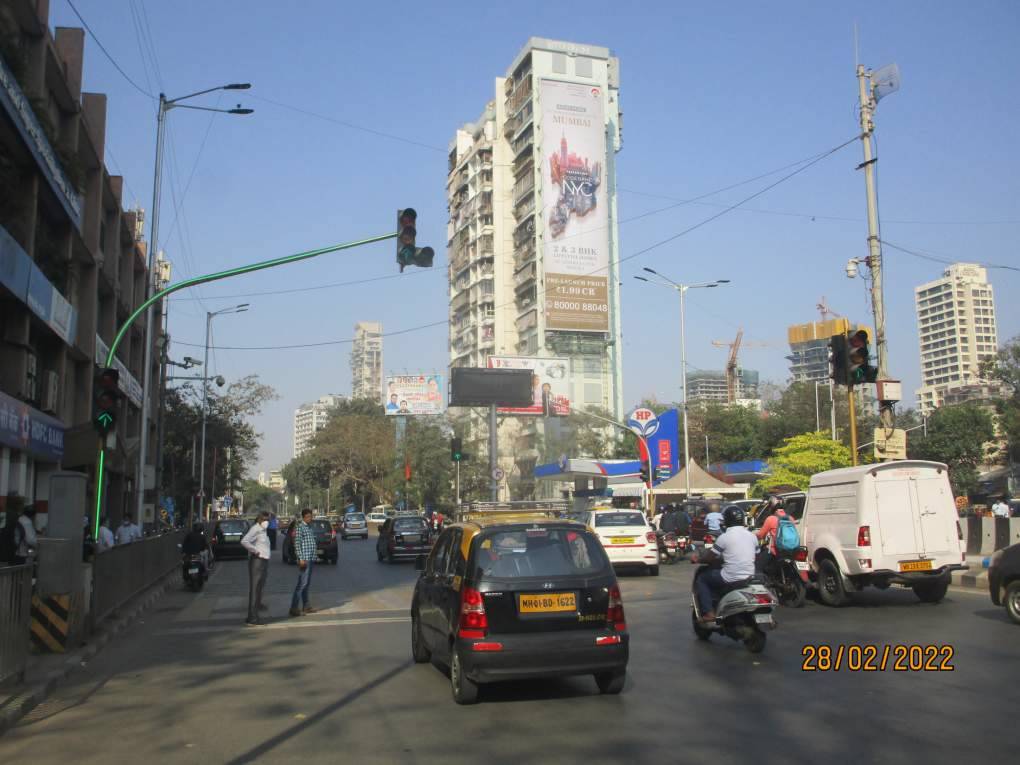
(128, 532)
(25, 536)
(256, 542)
(1000, 509)
(105, 540)
(737, 547)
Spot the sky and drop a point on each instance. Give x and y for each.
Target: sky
(356, 103)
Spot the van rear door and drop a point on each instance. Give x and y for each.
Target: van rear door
(896, 507)
(937, 511)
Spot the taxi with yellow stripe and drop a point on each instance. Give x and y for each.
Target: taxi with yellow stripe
(509, 593)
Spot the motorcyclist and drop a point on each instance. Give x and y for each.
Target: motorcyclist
(675, 520)
(195, 543)
(773, 511)
(736, 548)
(714, 519)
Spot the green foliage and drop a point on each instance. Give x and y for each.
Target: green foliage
(258, 498)
(957, 436)
(802, 456)
(734, 432)
(1004, 368)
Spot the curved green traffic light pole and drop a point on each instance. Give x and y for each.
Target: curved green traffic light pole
(101, 460)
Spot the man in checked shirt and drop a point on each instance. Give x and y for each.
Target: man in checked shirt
(304, 551)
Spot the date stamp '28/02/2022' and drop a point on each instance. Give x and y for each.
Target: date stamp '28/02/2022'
(877, 658)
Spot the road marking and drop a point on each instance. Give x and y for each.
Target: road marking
(289, 625)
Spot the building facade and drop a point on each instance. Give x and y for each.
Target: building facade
(72, 269)
(809, 348)
(309, 419)
(276, 482)
(956, 331)
(367, 361)
(532, 239)
(709, 385)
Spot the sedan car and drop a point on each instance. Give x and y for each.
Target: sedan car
(326, 546)
(354, 525)
(628, 538)
(226, 539)
(407, 536)
(511, 599)
(1004, 580)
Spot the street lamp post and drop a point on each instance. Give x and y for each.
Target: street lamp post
(682, 289)
(205, 395)
(165, 105)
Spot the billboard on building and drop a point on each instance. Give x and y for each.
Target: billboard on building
(550, 384)
(576, 242)
(414, 394)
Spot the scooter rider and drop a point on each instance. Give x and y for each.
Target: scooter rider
(675, 520)
(736, 547)
(195, 543)
(773, 511)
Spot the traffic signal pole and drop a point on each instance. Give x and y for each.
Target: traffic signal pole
(159, 295)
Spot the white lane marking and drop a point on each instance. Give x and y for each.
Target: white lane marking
(290, 625)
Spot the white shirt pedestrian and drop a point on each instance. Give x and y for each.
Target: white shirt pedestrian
(105, 540)
(256, 541)
(1000, 509)
(28, 537)
(128, 532)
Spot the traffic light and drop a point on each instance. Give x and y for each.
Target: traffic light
(839, 364)
(644, 473)
(106, 397)
(859, 369)
(407, 253)
(456, 446)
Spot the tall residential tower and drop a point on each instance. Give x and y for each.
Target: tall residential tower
(367, 361)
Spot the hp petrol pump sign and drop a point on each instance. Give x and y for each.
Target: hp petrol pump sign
(643, 422)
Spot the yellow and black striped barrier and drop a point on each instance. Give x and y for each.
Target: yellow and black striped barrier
(51, 622)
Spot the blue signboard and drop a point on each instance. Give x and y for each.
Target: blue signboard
(29, 430)
(664, 445)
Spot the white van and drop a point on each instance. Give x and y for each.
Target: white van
(882, 524)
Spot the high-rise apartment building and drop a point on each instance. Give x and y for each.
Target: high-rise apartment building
(309, 419)
(956, 329)
(367, 361)
(532, 236)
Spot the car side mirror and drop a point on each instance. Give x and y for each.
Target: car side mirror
(419, 563)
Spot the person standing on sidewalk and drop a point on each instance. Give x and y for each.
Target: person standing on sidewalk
(105, 540)
(304, 551)
(25, 537)
(256, 542)
(274, 526)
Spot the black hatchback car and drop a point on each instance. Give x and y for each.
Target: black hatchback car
(532, 597)
(226, 539)
(1004, 580)
(404, 537)
(326, 546)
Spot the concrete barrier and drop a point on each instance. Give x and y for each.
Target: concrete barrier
(983, 535)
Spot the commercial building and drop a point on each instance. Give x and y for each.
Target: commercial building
(367, 361)
(809, 347)
(309, 419)
(956, 331)
(532, 239)
(276, 482)
(72, 269)
(707, 385)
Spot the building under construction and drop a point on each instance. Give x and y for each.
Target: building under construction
(707, 385)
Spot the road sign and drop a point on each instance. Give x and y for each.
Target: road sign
(498, 474)
(890, 445)
(227, 501)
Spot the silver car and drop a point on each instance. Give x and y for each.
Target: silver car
(354, 525)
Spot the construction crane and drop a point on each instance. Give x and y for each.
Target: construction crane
(824, 310)
(731, 362)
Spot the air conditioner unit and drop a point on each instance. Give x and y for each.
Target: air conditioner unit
(50, 401)
(31, 377)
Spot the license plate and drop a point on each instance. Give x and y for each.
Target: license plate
(915, 565)
(547, 603)
(193, 570)
(621, 540)
(412, 537)
(802, 565)
(763, 618)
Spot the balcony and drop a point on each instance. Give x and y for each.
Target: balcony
(526, 207)
(528, 321)
(525, 276)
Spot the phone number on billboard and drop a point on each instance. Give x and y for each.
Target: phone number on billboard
(590, 307)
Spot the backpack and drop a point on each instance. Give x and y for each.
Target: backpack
(787, 538)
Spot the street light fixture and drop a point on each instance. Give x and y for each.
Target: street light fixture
(682, 289)
(205, 393)
(165, 105)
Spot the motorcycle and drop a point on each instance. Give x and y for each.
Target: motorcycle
(783, 576)
(668, 549)
(743, 613)
(194, 572)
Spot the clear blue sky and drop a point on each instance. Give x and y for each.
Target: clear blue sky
(713, 94)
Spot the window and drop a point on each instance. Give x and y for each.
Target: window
(515, 554)
(440, 554)
(619, 519)
(559, 63)
(582, 66)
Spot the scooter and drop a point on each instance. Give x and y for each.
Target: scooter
(668, 550)
(194, 572)
(743, 613)
(783, 576)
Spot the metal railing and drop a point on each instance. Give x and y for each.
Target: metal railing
(123, 572)
(15, 618)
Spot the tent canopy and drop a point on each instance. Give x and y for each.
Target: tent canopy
(701, 483)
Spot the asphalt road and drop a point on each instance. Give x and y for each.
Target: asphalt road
(191, 684)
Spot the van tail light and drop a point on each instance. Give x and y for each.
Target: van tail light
(650, 537)
(614, 613)
(608, 640)
(864, 536)
(487, 647)
(800, 554)
(959, 531)
(473, 621)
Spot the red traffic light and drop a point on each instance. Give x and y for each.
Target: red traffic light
(407, 217)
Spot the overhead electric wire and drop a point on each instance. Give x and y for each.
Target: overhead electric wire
(107, 53)
(317, 286)
(944, 260)
(817, 158)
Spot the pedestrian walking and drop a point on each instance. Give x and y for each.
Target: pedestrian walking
(105, 540)
(304, 551)
(274, 525)
(256, 542)
(1000, 509)
(25, 537)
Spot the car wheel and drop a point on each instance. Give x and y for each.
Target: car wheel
(419, 651)
(611, 683)
(931, 592)
(830, 584)
(653, 570)
(703, 633)
(464, 691)
(1012, 601)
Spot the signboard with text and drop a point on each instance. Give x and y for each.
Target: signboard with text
(414, 395)
(550, 384)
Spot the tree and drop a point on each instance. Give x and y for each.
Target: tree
(800, 457)
(258, 498)
(957, 436)
(734, 432)
(1004, 368)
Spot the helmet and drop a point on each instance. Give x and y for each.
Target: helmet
(733, 516)
(774, 500)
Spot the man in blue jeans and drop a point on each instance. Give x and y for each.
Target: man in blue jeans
(304, 551)
(736, 548)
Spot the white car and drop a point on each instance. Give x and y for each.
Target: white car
(376, 517)
(627, 537)
(877, 525)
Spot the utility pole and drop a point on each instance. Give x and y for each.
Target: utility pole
(493, 455)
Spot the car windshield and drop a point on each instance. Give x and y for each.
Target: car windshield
(539, 552)
(408, 524)
(355, 517)
(233, 527)
(619, 519)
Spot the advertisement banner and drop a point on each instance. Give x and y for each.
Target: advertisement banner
(27, 429)
(664, 443)
(414, 395)
(550, 384)
(576, 243)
